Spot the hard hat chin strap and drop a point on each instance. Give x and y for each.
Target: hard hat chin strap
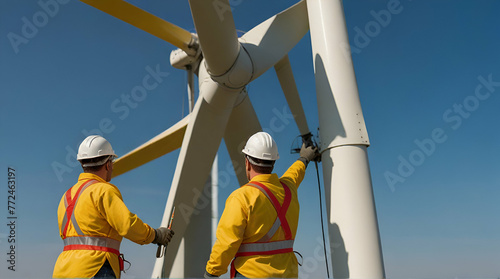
(253, 162)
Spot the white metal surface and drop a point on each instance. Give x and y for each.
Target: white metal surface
(353, 229)
(335, 76)
(195, 245)
(217, 34)
(200, 144)
(197, 242)
(215, 200)
(190, 89)
(272, 39)
(242, 123)
(285, 76)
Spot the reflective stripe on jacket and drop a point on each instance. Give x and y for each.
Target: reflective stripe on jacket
(248, 216)
(100, 214)
(92, 243)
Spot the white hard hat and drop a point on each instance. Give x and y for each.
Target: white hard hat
(92, 147)
(261, 146)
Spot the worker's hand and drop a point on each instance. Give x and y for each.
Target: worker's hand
(163, 236)
(308, 154)
(208, 275)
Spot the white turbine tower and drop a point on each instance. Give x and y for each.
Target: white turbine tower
(225, 64)
(353, 229)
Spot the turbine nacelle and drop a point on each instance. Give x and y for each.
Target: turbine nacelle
(185, 60)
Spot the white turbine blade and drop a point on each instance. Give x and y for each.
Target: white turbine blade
(204, 132)
(164, 143)
(196, 239)
(241, 125)
(214, 24)
(269, 41)
(285, 76)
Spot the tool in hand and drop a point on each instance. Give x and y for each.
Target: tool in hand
(161, 252)
(306, 139)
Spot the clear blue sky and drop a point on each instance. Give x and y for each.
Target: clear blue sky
(429, 83)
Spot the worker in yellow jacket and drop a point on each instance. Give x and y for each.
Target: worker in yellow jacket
(93, 219)
(257, 229)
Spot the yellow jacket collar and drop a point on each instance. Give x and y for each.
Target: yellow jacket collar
(267, 178)
(87, 176)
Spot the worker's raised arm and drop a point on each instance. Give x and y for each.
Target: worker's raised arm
(295, 173)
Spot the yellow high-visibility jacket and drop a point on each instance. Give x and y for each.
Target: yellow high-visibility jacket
(100, 212)
(247, 217)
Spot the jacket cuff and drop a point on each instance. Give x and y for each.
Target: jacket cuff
(208, 275)
(156, 236)
(303, 160)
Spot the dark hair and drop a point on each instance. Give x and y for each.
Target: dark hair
(261, 169)
(93, 169)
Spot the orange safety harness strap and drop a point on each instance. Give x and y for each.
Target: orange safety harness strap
(280, 209)
(70, 206)
(263, 246)
(91, 247)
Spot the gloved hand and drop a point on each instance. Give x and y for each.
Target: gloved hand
(308, 154)
(208, 275)
(163, 236)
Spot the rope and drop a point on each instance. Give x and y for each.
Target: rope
(321, 214)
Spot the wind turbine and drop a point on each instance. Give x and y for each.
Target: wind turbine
(225, 64)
